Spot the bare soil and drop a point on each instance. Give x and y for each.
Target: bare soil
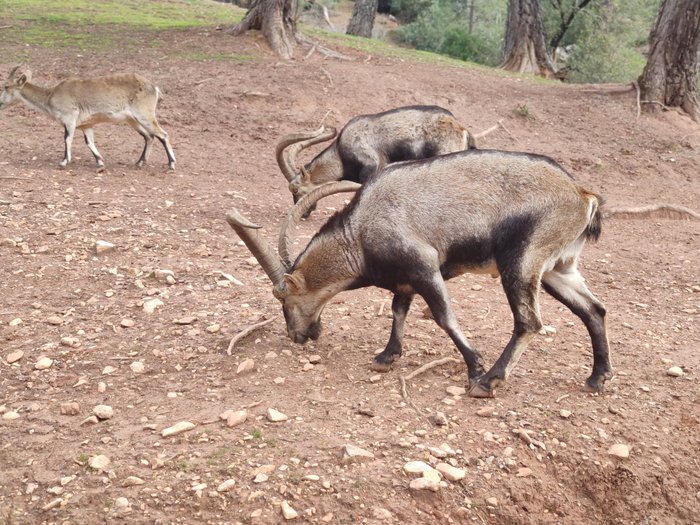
(224, 118)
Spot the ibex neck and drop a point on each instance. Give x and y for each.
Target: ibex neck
(326, 166)
(37, 97)
(331, 261)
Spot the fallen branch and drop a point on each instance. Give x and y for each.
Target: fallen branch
(307, 55)
(246, 332)
(652, 211)
(431, 365)
(607, 89)
(303, 39)
(663, 106)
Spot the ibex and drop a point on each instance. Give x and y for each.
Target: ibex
(420, 223)
(368, 143)
(82, 103)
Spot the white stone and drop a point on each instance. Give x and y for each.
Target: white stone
(132, 481)
(620, 450)
(150, 305)
(247, 365)
(261, 478)
(72, 342)
(675, 371)
(43, 363)
(354, 454)
(236, 418)
(566, 414)
(127, 323)
(103, 411)
(424, 484)
(492, 502)
(15, 322)
(449, 472)
(276, 416)
(416, 467)
(287, 511)
(108, 370)
(99, 462)
(14, 356)
(103, 247)
(177, 428)
(226, 485)
(10, 415)
(137, 367)
(456, 390)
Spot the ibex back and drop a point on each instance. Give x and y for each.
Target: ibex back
(516, 215)
(83, 103)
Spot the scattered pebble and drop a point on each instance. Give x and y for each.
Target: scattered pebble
(13, 357)
(177, 428)
(276, 416)
(486, 411)
(449, 472)
(132, 481)
(186, 320)
(72, 342)
(10, 415)
(226, 485)
(55, 320)
(566, 414)
(524, 472)
(150, 305)
(247, 365)
(354, 454)
(43, 363)
(16, 322)
(99, 462)
(287, 511)
(620, 450)
(456, 390)
(235, 418)
(127, 323)
(675, 371)
(492, 501)
(102, 247)
(214, 328)
(424, 484)
(70, 409)
(103, 411)
(137, 367)
(108, 370)
(416, 467)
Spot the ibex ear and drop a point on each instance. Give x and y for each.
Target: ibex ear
(24, 78)
(294, 282)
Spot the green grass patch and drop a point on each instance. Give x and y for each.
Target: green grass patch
(99, 24)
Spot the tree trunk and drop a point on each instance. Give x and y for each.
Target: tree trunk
(525, 47)
(670, 76)
(362, 19)
(277, 21)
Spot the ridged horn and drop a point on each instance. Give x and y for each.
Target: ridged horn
(286, 160)
(263, 252)
(14, 70)
(301, 208)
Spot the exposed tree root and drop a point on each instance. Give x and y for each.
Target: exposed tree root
(431, 365)
(243, 333)
(652, 211)
(490, 130)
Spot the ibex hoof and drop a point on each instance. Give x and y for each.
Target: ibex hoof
(380, 367)
(476, 389)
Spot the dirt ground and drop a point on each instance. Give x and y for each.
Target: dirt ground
(84, 311)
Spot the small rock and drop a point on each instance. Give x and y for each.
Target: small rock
(275, 416)
(43, 363)
(485, 411)
(103, 411)
(226, 485)
(493, 502)
(10, 415)
(132, 481)
(354, 454)
(72, 342)
(424, 484)
(15, 322)
(449, 472)
(439, 419)
(150, 305)
(375, 378)
(137, 367)
(101, 387)
(278, 380)
(99, 462)
(122, 505)
(127, 323)
(456, 390)
(523, 472)
(55, 320)
(287, 511)
(314, 359)
(380, 513)
(90, 420)
(102, 247)
(108, 370)
(247, 365)
(416, 467)
(437, 452)
(13, 357)
(164, 276)
(214, 328)
(566, 414)
(620, 450)
(70, 409)
(675, 371)
(185, 320)
(177, 428)
(236, 418)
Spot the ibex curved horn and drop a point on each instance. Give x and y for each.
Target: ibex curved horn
(301, 208)
(263, 252)
(14, 70)
(286, 160)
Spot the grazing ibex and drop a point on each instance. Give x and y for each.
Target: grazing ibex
(82, 103)
(368, 143)
(419, 223)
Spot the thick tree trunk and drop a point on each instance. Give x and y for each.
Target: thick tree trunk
(362, 20)
(277, 21)
(525, 47)
(670, 76)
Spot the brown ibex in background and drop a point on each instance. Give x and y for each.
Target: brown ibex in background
(367, 143)
(419, 223)
(83, 103)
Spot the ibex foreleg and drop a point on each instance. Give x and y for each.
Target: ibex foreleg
(399, 309)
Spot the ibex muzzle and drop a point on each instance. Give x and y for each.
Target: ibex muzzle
(420, 223)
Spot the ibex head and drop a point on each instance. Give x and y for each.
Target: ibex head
(12, 86)
(286, 152)
(301, 304)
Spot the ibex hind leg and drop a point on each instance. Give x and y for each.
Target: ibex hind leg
(399, 309)
(567, 285)
(151, 126)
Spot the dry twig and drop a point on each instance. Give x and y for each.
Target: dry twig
(246, 332)
(431, 365)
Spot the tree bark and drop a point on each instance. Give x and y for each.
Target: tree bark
(565, 20)
(277, 21)
(670, 75)
(362, 20)
(525, 46)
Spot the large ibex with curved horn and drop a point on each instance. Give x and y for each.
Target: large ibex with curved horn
(367, 143)
(419, 223)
